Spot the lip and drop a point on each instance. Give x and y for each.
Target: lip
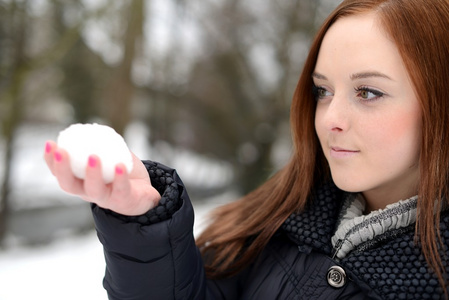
(338, 152)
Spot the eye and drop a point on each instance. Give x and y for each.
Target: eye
(368, 94)
(320, 92)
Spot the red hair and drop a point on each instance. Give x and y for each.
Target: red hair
(419, 30)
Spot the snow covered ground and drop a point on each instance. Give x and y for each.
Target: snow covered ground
(70, 268)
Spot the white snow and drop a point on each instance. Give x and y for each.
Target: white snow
(71, 268)
(82, 140)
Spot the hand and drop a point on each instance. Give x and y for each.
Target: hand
(129, 194)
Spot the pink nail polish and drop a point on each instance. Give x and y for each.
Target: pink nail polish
(118, 171)
(58, 156)
(47, 147)
(92, 162)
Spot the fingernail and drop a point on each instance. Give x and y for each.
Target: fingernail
(92, 162)
(58, 156)
(118, 170)
(47, 147)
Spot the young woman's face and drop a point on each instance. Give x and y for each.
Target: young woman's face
(368, 118)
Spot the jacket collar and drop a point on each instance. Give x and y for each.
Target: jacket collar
(315, 226)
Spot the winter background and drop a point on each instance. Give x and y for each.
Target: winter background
(51, 250)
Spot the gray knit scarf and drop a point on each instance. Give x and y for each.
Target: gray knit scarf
(354, 228)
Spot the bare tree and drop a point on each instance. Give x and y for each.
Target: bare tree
(10, 98)
(18, 65)
(234, 104)
(119, 89)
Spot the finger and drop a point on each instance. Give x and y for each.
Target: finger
(132, 196)
(50, 146)
(122, 199)
(61, 167)
(121, 186)
(95, 188)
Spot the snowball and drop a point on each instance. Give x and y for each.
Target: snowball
(83, 140)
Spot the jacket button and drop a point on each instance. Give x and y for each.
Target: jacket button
(336, 277)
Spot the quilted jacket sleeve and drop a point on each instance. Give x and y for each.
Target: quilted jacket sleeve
(156, 260)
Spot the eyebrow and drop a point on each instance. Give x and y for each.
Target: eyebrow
(319, 76)
(355, 76)
(369, 74)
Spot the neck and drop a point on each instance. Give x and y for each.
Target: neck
(379, 199)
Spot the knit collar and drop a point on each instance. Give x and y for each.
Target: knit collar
(354, 228)
(314, 227)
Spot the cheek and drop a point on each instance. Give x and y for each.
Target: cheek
(399, 137)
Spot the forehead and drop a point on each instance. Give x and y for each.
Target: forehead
(359, 42)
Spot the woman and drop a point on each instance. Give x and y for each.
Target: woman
(358, 213)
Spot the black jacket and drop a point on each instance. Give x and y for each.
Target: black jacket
(155, 257)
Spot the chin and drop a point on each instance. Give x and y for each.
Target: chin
(346, 185)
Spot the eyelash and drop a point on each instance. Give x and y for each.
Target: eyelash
(378, 94)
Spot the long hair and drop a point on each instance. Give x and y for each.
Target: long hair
(240, 230)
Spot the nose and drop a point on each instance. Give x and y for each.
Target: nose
(334, 115)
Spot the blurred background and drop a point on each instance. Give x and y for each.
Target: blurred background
(203, 86)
